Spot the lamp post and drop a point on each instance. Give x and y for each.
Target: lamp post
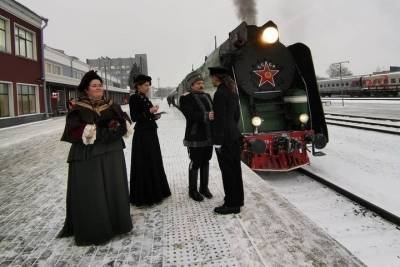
(341, 79)
(105, 72)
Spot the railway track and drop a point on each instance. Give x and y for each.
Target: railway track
(362, 98)
(365, 123)
(363, 202)
(363, 117)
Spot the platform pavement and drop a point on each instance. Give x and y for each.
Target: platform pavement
(178, 232)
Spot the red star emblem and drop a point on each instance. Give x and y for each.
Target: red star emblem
(267, 75)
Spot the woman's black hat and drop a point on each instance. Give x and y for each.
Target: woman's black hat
(87, 78)
(141, 79)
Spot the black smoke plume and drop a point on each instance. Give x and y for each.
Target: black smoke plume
(246, 10)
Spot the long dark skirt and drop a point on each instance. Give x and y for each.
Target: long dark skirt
(148, 182)
(97, 199)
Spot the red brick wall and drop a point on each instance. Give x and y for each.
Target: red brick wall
(18, 69)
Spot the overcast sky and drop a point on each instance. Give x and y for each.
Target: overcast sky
(178, 33)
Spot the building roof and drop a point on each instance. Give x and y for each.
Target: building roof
(22, 12)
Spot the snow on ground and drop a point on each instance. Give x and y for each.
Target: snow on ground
(373, 240)
(363, 162)
(363, 120)
(17, 134)
(268, 232)
(392, 129)
(372, 108)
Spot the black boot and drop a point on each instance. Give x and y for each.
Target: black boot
(204, 171)
(193, 193)
(227, 210)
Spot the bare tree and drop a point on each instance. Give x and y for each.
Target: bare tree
(132, 74)
(334, 71)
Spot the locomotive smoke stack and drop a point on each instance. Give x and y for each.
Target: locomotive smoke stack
(246, 10)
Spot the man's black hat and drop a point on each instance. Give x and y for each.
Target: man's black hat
(87, 78)
(219, 70)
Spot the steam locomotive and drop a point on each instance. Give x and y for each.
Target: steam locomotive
(281, 110)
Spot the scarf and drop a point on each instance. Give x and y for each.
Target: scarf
(95, 105)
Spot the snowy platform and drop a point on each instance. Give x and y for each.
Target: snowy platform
(179, 232)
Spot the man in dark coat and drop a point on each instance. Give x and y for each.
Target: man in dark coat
(226, 139)
(197, 108)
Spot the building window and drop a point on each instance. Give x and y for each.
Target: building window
(24, 43)
(57, 69)
(392, 80)
(4, 100)
(48, 67)
(3, 35)
(26, 99)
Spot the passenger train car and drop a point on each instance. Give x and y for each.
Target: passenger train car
(384, 84)
(281, 109)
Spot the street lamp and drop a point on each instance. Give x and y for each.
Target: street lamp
(341, 79)
(105, 71)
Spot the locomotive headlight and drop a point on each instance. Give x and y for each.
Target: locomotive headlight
(256, 121)
(304, 118)
(270, 35)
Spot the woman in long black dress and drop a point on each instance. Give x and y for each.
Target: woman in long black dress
(148, 182)
(97, 195)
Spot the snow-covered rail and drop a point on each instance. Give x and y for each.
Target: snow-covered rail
(383, 125)
(361, 201)
(362, 117)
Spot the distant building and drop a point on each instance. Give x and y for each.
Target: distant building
(120, 67)
(22, 94)
(63, 74)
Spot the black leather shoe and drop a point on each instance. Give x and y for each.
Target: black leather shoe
(227, 210)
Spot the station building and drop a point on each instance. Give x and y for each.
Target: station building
(22, 93)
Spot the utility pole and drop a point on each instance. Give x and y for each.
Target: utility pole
(341, 79)
(105, 74)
